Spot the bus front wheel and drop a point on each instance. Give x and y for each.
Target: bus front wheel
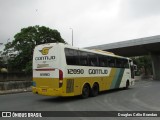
(85, 91)
(127, 84)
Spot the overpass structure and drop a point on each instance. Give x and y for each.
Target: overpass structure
(137, 47)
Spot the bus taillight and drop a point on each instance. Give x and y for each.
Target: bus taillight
(60, 78)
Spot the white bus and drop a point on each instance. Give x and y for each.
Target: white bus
(62, 70)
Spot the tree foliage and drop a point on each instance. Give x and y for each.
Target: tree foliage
(144, 64)
(24, 43)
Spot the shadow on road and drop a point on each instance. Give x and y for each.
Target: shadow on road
(77, 98)
(61, 99)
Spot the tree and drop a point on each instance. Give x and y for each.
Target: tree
(143, 63)
(24, 43)
(1, 60)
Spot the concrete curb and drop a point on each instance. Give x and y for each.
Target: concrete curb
(14, 91)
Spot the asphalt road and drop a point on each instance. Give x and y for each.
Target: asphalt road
(144, 96)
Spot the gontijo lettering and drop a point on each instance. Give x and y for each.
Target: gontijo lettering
(97, 71)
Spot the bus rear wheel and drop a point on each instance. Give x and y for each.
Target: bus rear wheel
(85, 91)
(95, 90)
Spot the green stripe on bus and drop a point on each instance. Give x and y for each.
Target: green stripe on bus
(117, 78)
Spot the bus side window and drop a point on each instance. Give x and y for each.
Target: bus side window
(72, 57)
(102, 61)
(83, 58)
(126, 64)
(76, 57)
(111, 62)
(122, 63)
(68, 56)
(119, 63)
(92, 59)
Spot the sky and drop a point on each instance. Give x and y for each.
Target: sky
(94, 22)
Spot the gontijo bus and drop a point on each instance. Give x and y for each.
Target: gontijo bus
(62, 70)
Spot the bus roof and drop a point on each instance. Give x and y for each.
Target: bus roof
(64, 45)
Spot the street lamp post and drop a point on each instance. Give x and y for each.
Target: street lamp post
(72, 36)
(1, 52)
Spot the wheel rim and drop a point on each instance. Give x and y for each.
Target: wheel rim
(95, 90)
(127, 84)
(85, 92)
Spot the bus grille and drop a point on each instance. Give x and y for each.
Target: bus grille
(70, 86)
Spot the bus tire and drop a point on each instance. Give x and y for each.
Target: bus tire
(95, 90)
(85, 91)
(127, 84)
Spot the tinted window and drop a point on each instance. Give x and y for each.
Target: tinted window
(103, 61)
(83, 58)
(92, 59)
(121, 63)
(126, 64)
(76, 57)
(111, 61)
(72, 57)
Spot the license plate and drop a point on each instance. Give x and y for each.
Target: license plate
(44, 90)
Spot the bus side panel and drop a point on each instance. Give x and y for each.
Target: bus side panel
(117, 78)
(79, 75)
(110, 79)
(126, 76)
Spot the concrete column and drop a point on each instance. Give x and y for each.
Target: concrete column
(156, 66)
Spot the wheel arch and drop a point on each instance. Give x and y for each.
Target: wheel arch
(85, 83)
